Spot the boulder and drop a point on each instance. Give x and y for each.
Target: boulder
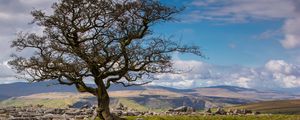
(2, 111)
(133, 113)
(85, 106)
(48, 116)
(117, 112)
(220, 111)
(82, 104)
(120, 106)
(190, 110)
(181, 109)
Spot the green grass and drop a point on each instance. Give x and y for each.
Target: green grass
(274, 107)
(250, 117)
(132, 104)
(50, 103)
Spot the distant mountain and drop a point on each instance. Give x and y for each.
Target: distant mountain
(295, 90)
(242, 93)
(24, 89)
(231, 88)
(156, 97)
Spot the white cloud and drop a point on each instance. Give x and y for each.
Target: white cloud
(7, 75)
(269, 34)
(287, 74)
(279, 66)
(292, 33)
(243, 82)
(273, 75)
(14, 17)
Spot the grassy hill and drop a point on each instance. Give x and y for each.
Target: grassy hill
(154, 98)
(219, 117)
(274, 107)
(51, 100)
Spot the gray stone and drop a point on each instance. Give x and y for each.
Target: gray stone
(2, 111)
(190, 110)
(50, 116)
(117, 112)
(120, 106)
(181, 109)
(220, 111)
(133, 113)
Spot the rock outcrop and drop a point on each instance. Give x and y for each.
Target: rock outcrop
(39, 112)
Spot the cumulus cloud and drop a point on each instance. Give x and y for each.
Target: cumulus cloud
(7, 75)
(14, 17)
(285, 73)
(240, 11)
(291, 29)
(274, 74)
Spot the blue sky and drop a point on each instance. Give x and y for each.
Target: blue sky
(248, 43)
(229, 44)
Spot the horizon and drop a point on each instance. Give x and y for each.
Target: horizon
(250, 44)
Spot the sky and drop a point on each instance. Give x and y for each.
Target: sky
(246, 43)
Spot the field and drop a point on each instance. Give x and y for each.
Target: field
(274, 107)
(50, 100)
(250, 117)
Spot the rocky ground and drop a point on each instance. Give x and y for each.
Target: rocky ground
(42, 113)
(39, 112)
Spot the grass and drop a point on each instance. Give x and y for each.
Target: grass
(50, 103)
(220, 117)
(132, 104)
(274, 107)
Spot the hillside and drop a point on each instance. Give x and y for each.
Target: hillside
(24, 89)
(274, 107)
(142, 97)
(242, 93)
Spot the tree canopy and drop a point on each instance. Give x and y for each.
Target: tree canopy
(107, 41)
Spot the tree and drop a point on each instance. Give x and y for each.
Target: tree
(106, 41)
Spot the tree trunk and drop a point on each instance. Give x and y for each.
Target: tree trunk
(103, 111)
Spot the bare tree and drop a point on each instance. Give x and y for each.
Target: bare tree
(106, 41)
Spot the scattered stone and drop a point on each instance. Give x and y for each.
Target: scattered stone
(120, 106)
(2, 111)
(41, 113)
(181, 109)
(190, 110)
(85, 106)
(220, 111)
(117, 112)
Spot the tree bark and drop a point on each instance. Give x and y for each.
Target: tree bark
(103, 111)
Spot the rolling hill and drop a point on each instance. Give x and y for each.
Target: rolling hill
(274, 107)
(143, 97)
